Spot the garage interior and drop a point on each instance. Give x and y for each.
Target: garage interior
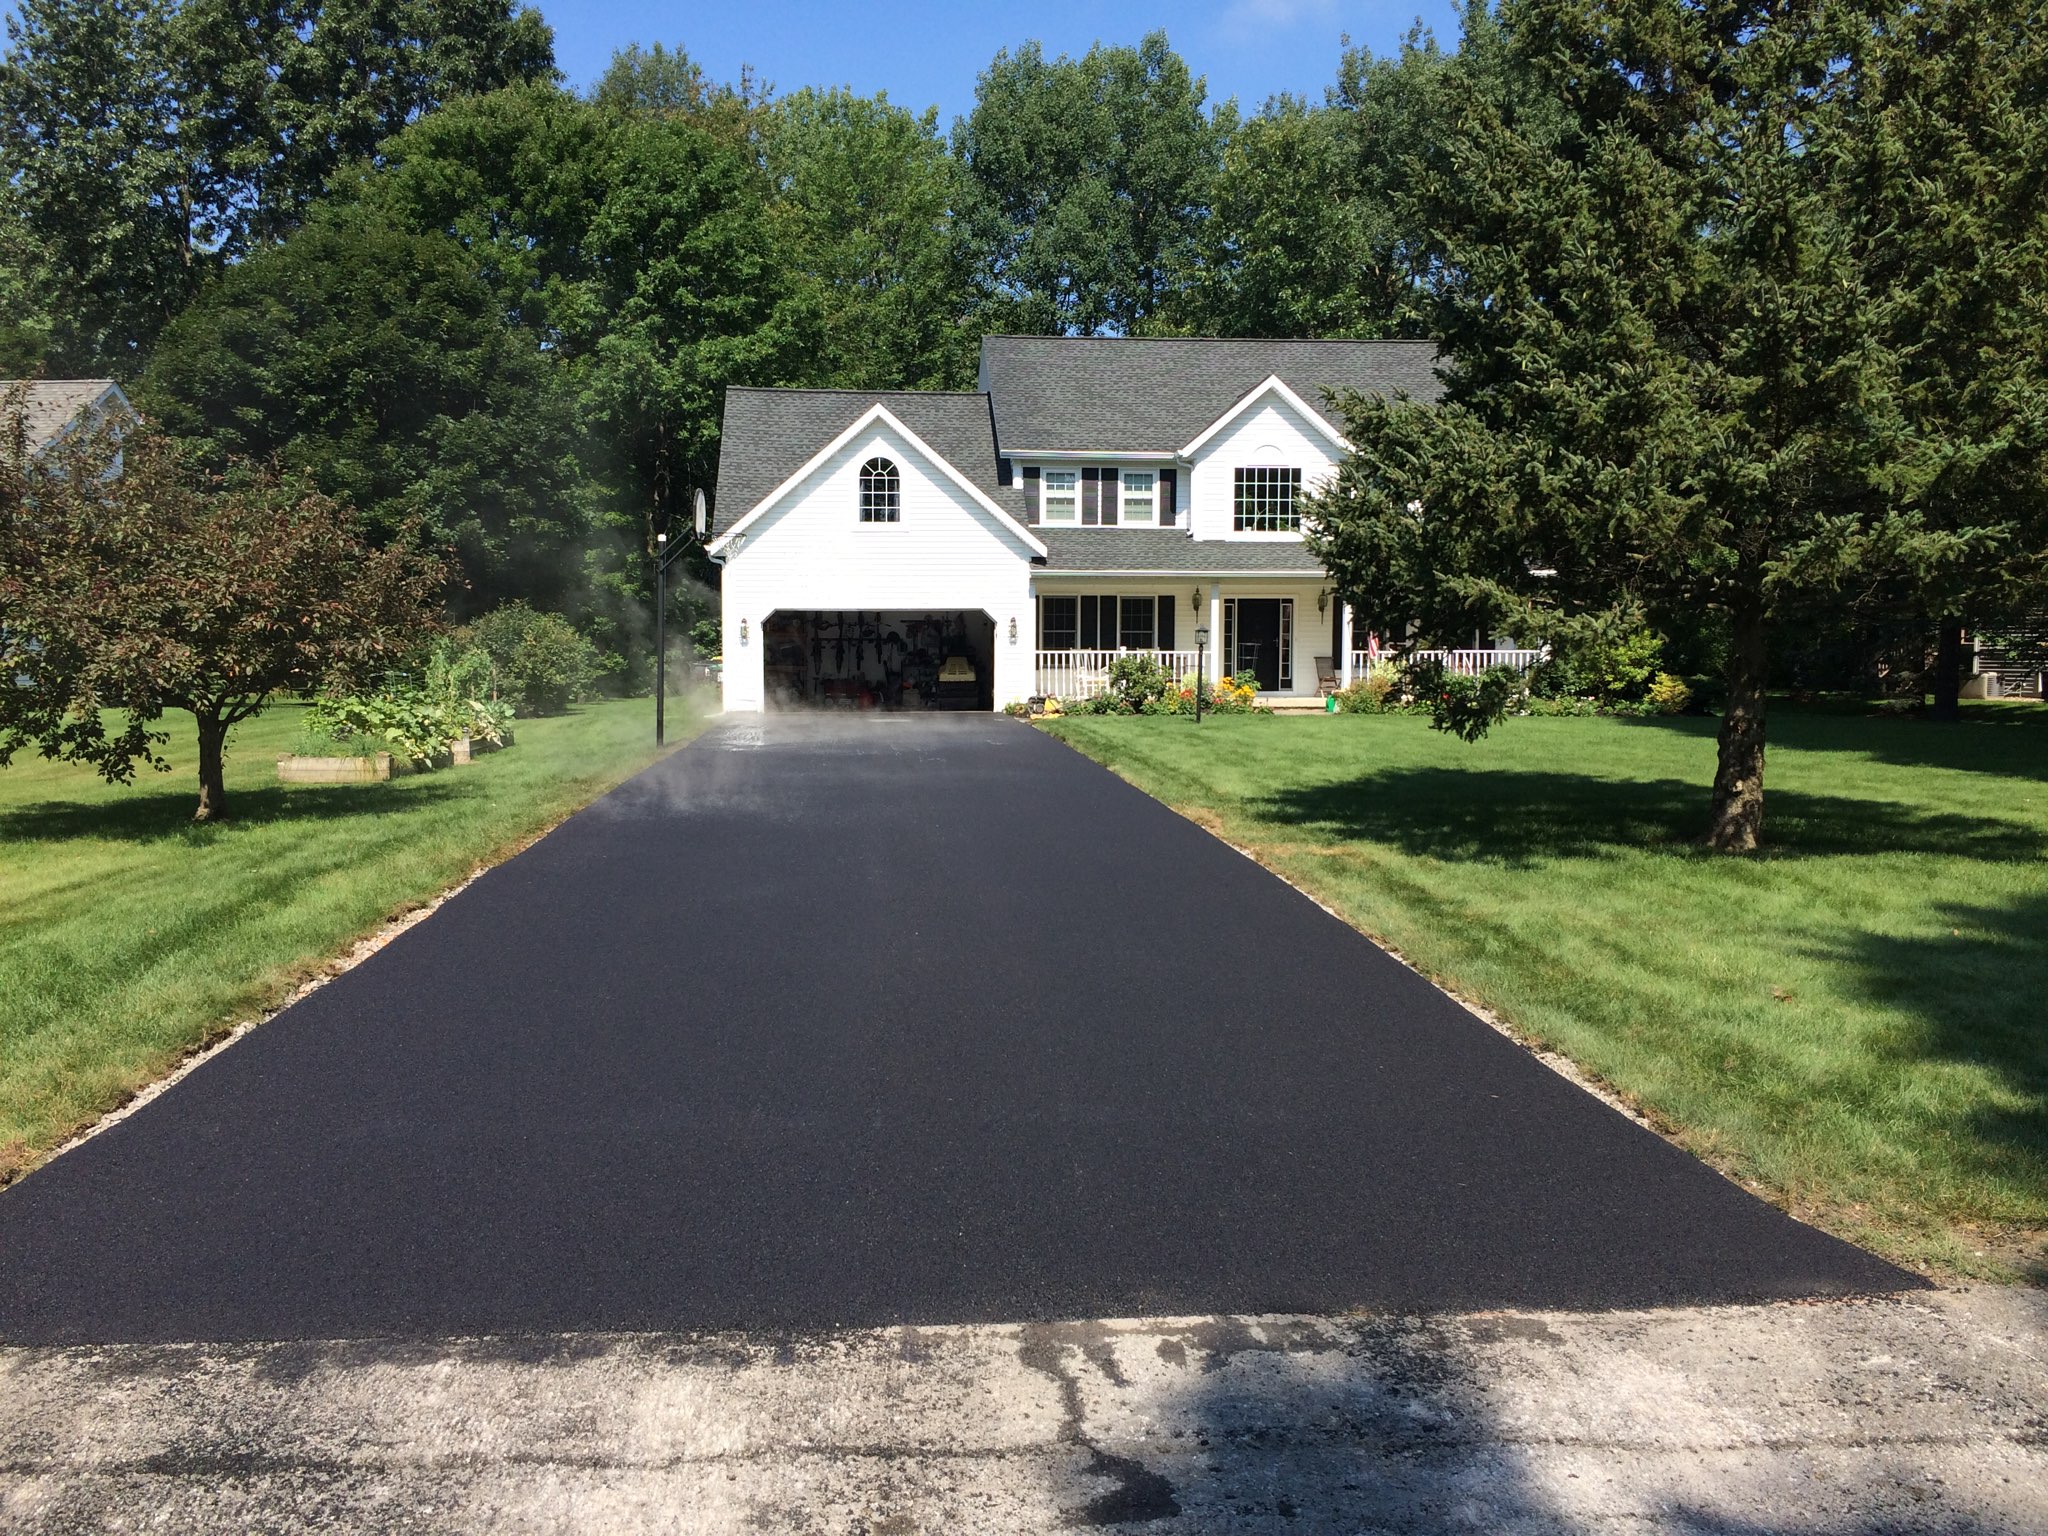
(899, 659)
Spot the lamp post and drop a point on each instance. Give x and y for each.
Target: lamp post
(1201, 660)
(660, 637)
(662, 555)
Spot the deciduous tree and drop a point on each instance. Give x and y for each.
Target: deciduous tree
(132, 583)
(1091, 178)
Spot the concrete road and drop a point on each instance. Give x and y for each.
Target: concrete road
(1916, 1415)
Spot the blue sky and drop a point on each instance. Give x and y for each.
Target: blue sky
(928, 53)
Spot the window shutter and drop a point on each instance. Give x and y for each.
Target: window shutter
(1031, 493)
(1111, 485)
(1091, 624)
(1091, 498)
(1168, 479)
(1164, 638)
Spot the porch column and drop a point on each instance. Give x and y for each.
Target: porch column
(1216, 630)
(1344, 645)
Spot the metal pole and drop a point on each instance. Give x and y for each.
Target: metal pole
(660, 637)
(1201, 660)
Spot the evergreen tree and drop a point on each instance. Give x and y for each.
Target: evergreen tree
(1946, 190)
(1668, 386)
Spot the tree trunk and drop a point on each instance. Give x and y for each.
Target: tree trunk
(213, 793)
(1738, 816)
(1948, 670)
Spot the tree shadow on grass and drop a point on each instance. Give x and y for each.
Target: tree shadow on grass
(1977, 989)
(2013, 748)
(1518, 817)
(167, 813)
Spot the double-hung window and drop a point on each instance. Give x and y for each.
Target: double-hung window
(1062, 496)
(1059, 623)
(1266, 500)
(1137, 622)
(1141, 495)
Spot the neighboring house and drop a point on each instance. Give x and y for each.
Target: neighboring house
(54, 408)
(1095, 495)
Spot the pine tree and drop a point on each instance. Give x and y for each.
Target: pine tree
(1670, 388)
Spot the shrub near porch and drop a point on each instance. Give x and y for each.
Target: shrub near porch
(1851, 1021)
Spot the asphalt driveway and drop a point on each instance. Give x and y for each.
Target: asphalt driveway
(860, 1022)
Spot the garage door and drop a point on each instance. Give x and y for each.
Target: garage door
(896, 659)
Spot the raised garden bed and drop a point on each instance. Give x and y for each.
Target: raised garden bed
(369, 768)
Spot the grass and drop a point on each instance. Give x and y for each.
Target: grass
(129, 936)
(1855, 1021)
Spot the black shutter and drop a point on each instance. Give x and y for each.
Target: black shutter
(1091, 498)
(1110, 486)
(1031, 493)
(1091, 619)
(1004, 473)
(1167, 487)
(1164, 638)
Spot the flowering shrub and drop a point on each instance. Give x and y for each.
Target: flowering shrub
(1227, 696)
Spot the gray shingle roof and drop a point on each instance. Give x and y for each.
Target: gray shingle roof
(1155, 395)
(1162, 549)
(51, 405)
(770, 434)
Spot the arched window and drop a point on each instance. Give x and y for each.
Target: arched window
(881, 492)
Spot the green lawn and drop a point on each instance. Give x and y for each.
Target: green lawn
(128, 935)
(1855, 1021)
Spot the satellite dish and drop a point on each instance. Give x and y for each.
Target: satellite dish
(703, 511)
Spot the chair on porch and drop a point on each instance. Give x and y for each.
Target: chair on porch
(1326, 675)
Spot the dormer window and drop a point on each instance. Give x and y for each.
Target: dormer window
(881, 492)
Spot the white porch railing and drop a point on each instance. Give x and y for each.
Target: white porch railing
(1083, 674)
(1463, 663)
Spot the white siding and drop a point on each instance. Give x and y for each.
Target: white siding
(812, 552)
(1272, 432)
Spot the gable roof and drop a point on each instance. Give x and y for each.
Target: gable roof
(1149, 394)
(53, 405)
(770, 434)
(875, 415)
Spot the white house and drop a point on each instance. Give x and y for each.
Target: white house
(52, 409)
(1094, 495)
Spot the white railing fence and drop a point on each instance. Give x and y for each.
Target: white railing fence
(1463, 663)
(1083, 674)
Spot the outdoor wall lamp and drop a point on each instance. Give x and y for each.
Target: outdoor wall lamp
(1013, 629)
(1195, 599)
(1323, 601)
(743, 631)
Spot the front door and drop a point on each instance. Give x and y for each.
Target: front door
(1260, 642)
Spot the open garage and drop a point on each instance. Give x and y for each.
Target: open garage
(887, 659)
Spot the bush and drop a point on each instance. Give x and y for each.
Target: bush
(1132, 692)
(1376, 692)
(1609, 663)
(537, 658)
(1668, 695)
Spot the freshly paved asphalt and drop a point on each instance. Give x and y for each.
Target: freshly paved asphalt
(867, 1021)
